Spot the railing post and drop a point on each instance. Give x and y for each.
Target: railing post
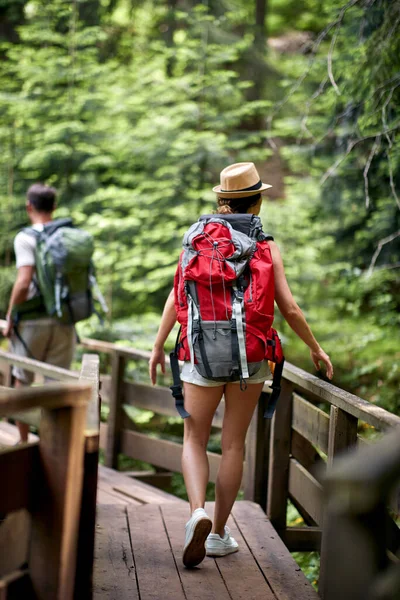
(87, 523)
(342, 435)
(256, 455)
(56, 510)
(118, 364)
(279, 458)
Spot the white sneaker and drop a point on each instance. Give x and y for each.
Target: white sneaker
(218, 546)
(196, 531)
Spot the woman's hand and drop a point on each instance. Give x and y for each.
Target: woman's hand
(157, 358)
(320, 355)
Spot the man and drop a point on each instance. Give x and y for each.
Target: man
(37, 335)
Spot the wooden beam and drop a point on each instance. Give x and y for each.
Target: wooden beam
(303, 381)
(327, 392)
(116, 415)
(90, 372)
(56, 511)
(49, 397)
(279, 459)
(19, 469)
(36, 366)
(303, 451)
(161, 453)
(342, 432)
(306, 490)
(302, 539)
(311, 422)
(257, 456)
(155, 398)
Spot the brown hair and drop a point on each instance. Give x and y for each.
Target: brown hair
(236, 205)
(42, 197)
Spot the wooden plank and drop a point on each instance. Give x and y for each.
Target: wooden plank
(49, 396)
(14, 541)
(155, 566)
(257, 455)
(115, 417)
(135, 489)
(56, 512)
(204, 582)
(114, 575)
(242, 576)
(342, 432)
(273, 558)
(36, 366)
(306, 490)
(279, 458)
(311, 422)
(304, 452)
(19, 468)
(90, 373)
(302, 539)
(162, 453)
(87, 525)
(157, 399)
(327, 392)
(106, 497)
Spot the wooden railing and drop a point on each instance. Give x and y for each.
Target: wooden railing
(362, 560)
(48, 498)
(285, 459)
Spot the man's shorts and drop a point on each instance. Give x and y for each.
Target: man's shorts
(45, 340)
(194, 376)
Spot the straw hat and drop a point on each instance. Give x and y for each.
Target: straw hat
(240, 180)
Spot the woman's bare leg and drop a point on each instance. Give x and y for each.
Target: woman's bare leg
(239, 408)
(201, 403)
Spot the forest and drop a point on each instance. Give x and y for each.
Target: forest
(131, 109)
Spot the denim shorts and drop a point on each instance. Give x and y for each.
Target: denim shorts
(195, 377)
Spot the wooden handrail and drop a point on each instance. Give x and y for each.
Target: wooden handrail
(320, 389)
(51, 396)
(36, 366)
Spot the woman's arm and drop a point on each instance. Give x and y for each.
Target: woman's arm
(292, 312)
(168, 320)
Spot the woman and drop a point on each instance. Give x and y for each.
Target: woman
(239, 192)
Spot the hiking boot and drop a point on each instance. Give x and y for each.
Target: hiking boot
(196, 531)
(218, 546)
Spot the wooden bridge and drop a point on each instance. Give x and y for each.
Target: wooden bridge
(48, 532)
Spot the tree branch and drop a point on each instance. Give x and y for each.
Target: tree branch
(381, 243)
(351, 144)
(374, 148)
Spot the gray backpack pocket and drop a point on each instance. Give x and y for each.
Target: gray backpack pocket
(213, 351)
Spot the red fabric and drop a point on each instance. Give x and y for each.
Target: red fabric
(214, 279)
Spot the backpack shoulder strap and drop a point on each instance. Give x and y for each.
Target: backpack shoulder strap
(31, 231)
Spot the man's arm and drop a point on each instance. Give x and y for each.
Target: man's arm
(19, 293)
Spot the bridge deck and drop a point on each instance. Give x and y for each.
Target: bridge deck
(139, 551)
(139, 538)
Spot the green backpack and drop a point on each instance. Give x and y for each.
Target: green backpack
(65, 273)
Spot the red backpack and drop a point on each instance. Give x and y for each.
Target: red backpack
(224, 299)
